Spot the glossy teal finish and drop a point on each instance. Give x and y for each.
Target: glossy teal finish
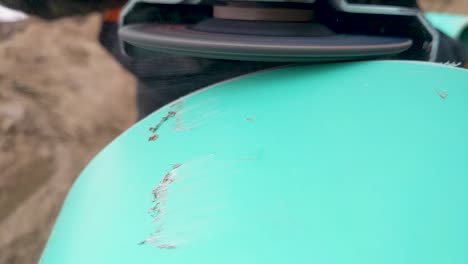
(456, 26)
(344, 163)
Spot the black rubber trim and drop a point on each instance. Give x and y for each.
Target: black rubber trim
(183, 40)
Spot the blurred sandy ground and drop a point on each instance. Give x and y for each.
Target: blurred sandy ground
(62, 99)
(454, 6)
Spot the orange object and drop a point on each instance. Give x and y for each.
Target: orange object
(112, 15)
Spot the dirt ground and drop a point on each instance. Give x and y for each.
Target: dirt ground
(62, 99)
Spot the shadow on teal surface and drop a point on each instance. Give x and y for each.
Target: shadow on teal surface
(344, 163)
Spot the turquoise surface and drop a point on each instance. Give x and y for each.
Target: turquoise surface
(456, 26)
(342, 163)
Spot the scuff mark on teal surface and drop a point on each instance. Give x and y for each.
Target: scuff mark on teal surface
(160, 194)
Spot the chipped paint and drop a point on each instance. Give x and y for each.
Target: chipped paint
(154, 129)
(163, 120)
(153, 137)
(160, 194)
(165, 211)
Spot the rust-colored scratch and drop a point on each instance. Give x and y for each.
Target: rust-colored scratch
(163, 120)
(153, 137)
(154, 129)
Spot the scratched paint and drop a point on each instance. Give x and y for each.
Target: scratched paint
(178, 107)
(160, 194)
(199, 119)
(184, 206)
(442, 94)
(163, 120)
(198, 114)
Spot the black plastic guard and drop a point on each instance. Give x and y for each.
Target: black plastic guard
(183, 40)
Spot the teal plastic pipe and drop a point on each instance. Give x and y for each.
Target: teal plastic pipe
(456, 26)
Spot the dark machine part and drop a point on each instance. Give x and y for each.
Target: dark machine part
(322, 30)
(384, 17)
